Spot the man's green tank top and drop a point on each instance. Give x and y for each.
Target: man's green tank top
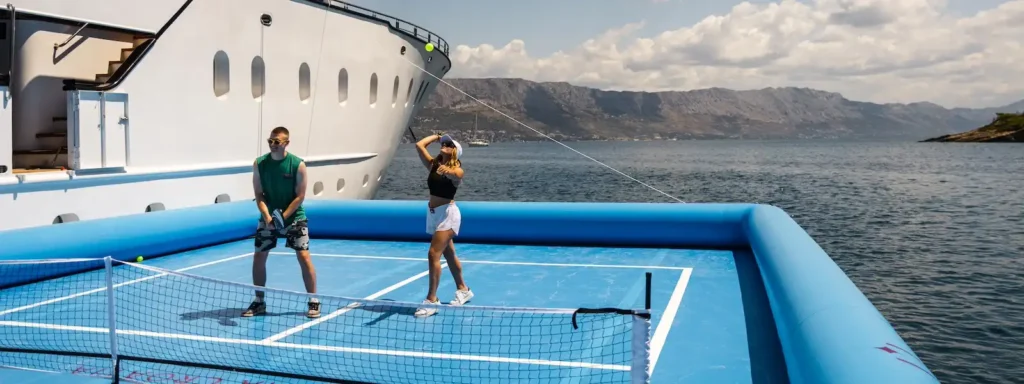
(278, 179)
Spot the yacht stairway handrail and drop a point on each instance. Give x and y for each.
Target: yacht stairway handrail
(395, 24)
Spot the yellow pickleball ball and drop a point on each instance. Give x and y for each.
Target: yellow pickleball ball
(430, 47)
(138, 259)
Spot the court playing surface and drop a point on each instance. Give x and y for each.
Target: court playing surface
(710, 321)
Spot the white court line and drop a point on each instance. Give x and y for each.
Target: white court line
(349, 307)
(572, 265)
(26, 369)
(658, 341)
(357, 256)
(431, 355)
(89, 292)
(464, 261)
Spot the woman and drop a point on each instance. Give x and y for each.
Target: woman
(443, 217)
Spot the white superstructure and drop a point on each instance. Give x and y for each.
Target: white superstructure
(164, 104)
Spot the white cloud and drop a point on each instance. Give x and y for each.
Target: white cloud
(872, 50)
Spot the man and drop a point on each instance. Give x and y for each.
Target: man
(279, 183)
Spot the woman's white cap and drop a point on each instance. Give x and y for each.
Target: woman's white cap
(458, 147)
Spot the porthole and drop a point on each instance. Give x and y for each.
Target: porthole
(258, 77)
(342, 87)
(221, 74)
(394, 92)
(304, 82)
(373, 89)
(408, 93)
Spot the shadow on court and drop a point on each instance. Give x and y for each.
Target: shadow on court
(387, 311)
(227, 316)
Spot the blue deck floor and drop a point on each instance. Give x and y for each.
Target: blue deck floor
(710, 321)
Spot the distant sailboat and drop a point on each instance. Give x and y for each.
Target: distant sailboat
(477, 142)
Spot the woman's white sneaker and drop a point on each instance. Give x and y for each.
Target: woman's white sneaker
(426, 312)
(462, 297)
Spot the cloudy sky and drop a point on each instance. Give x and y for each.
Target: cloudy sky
(957, 53)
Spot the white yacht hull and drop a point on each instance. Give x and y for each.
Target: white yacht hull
(181, 124)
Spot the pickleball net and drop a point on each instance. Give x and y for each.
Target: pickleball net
(181, 328)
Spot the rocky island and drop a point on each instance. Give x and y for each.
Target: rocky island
(1005, 127)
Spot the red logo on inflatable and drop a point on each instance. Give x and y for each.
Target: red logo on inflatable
(900, 352)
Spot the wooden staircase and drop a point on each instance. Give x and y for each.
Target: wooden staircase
(53, 144)
(125, 52)
(53, 155)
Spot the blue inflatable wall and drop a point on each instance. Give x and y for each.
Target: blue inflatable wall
(704, 225)
(829, 331)
(150, 234)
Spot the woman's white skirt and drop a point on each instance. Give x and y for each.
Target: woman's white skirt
(443, 218)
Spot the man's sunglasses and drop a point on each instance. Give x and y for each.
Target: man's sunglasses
(276, 141)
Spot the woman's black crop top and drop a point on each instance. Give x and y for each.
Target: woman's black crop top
(440, 185)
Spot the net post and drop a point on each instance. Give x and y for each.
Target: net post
(639, 371)
(111, 318)
(117, 371)
(647, 293)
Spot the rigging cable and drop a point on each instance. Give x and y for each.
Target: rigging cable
(541, 133)
(313, 87)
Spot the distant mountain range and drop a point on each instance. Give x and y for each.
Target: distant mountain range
(567, 112)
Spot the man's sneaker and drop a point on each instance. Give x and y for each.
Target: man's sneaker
(314, 310)
(256, 308)
(462, 297)
(426, 312)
